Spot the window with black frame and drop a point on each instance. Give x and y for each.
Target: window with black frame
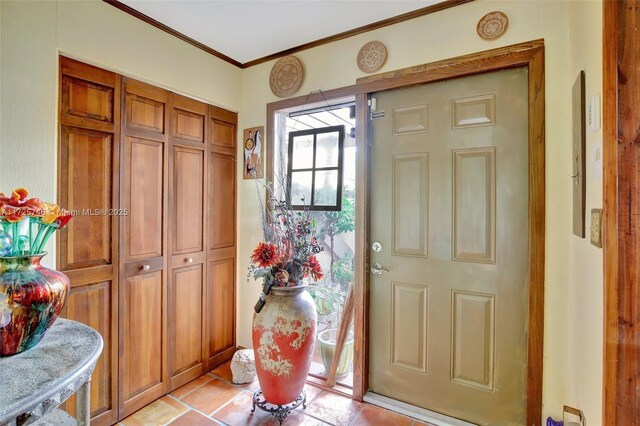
(314, 169)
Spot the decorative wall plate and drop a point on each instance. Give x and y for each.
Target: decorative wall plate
(372, 56)
(493, 25)
(286, 76)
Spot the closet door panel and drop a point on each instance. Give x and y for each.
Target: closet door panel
(222, 203)
(91, 305)
(185, 318)
(221, 306)
(188, 190)
(87, 187)
(143, 197)
(143, 348)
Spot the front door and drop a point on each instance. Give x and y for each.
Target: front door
(449, 255)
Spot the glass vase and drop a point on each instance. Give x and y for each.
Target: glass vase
(31, 298)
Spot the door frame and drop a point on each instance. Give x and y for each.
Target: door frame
(621, 173)
(528, 54)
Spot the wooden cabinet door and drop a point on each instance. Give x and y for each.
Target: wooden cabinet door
(187, 239)
(87, 250)
(143, 300)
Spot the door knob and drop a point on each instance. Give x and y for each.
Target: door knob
(188, 259)
(378, 269)
(145, 267)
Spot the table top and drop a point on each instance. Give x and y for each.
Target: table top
(38, 380)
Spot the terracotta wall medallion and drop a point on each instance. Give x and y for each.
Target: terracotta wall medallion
(286, 76)
(493, 25)
(372, 56)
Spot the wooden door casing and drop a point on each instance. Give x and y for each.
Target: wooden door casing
(143, 300)
(87, 251)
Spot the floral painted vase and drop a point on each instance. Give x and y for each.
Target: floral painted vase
(283, 338)
(31, 298)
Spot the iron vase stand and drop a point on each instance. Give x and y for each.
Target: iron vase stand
(280, 412)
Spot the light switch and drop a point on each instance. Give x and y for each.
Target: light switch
(594, 113)
(596, 227)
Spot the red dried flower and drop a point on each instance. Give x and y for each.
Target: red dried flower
(265, 255)
(314, 268)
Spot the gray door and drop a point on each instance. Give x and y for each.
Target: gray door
(449, 206)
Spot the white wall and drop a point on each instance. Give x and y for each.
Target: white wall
(585, 292)
(33, 33)
(452, 33)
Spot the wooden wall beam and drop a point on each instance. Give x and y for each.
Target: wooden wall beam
(621, 200)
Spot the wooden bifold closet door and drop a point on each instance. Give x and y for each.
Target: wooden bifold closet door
(154, 271)
(143, 296)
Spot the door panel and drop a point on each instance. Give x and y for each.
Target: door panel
(473, 341)
(91, 305)
(409, 334)
(86, 156)
(221, 305)
(185, 320)
(223, 189)
(142, 318)
(449, 205)
(410, 213)
(474, 205)
(145, 114)
(143, 198)
(188, 206)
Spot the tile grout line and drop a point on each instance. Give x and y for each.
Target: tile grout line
(193, 390)
(209, 416)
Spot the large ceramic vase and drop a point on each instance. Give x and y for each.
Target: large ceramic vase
(31, 298)
(284, 332)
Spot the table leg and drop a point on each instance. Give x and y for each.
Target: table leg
(83, 398)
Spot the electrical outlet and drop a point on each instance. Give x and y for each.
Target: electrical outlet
(596, 227)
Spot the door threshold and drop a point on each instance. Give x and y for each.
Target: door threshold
(412, 411)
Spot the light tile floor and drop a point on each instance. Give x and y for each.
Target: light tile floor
(213, 400)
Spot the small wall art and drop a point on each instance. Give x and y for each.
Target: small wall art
(286, 76)
(493, 25)
(372, 56)
(253, 153)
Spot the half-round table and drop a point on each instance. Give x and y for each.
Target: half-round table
(33, 383)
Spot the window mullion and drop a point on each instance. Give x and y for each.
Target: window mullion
(313, 172)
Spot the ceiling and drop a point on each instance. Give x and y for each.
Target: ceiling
(248, 30)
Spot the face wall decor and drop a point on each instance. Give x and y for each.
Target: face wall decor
(253, 150)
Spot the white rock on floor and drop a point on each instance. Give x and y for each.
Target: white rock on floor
(243, 366)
